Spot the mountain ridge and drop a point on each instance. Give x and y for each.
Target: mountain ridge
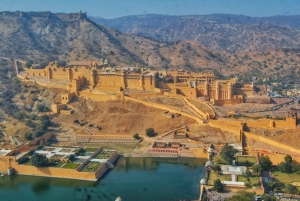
(224, 32)
(41, 37)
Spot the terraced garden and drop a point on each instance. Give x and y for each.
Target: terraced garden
(90, 149)
(91, 167)
(71, 165)
(54, 163)
(103, 155)
(245, 160)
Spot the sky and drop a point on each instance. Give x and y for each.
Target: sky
(118, 8)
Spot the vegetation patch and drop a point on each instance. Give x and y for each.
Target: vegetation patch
(287, 178)
(24, 160)
(54, 163)
(249, 181)
(214, 175)
(91, 167)
(90, 149)
(70, 165)
(103, 155)
(245, 161)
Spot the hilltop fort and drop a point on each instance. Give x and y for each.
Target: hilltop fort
(98, 79)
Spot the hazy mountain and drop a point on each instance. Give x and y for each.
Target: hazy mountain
(232, 33)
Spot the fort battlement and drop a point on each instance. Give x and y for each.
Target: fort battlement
(46, 15)
(96, 75)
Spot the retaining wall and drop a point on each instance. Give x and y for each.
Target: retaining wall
(163, 107)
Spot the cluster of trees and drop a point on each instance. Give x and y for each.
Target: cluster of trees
(218, 185)
(247, 196)
(80, 152)
(39, 129)
(227, 153)
(265, 162)
(39, 160)
(286, 166)
(242, 196)
(42, 108)
(71, 157)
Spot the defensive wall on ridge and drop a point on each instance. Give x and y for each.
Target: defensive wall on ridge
(163, 107)
(238, 128)
(114, 80)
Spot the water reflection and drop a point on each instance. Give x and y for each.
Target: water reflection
(132, 179)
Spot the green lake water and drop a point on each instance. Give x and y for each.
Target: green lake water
(133, 179)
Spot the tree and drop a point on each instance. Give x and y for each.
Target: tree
(31, 152)
(29, 123)
(33, 117)
(216, 167)
(288, 163)
(20, 115)
(247, 163)
(265, 162)
(248, 175)
(291, 189)
(150, 132)
(45, 122)
(80, 152)
(227, 153)
(28, 136)
(39, 160)
(275, 184)
(136, 136)
(218, 185)
(42, 108)
(288, 159)
(71, 157)
(242, 196)
(257, 169)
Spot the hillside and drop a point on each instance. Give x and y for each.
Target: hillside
(44, 36)
(231, 33)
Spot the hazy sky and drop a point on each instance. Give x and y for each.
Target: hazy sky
(118, 8)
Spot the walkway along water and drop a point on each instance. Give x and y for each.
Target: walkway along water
(204, 180)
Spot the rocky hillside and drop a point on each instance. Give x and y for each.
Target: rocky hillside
(44, 36)
(231, 33)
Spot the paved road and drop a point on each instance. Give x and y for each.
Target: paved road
(273, 108)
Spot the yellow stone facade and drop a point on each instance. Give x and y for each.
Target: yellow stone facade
(89, 78)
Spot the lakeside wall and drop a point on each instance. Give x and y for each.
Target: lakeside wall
(10, 161)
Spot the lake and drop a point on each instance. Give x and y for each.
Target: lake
(133, 179)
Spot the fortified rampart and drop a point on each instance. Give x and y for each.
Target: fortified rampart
(79, 76)
(46, 14)
(238, 127)
(163, 107)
